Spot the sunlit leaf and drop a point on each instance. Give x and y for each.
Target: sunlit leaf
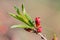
(24, 17)
(27, 16)
(21, 26)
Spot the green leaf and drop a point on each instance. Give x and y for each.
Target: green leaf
(21, 26)
(31, 22)
(13, 15)
(17, 10)
(21, 15)
(23, 7)
(27, 16)
(20, 18)
(17, 17)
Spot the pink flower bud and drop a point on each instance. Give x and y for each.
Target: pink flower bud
(37, 21)
(39, 29)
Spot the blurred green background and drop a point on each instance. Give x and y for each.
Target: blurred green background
(47, 10)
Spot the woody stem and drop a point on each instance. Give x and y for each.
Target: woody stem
(42, 36)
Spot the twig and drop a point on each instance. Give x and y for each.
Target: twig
(42, 36)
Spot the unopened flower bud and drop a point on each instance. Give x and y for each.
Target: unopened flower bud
(37, 21)
(39, 29)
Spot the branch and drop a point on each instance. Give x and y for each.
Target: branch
(42, 36)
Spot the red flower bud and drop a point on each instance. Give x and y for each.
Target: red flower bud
(37, 21)
(39, 29)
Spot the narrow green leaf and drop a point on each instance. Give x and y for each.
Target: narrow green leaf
(20, 18)
(32, 23)
(21, 26)
(17, 17)
(17, 10)
(23, 17)
(22, 7)
(13, 15)
(27, 16)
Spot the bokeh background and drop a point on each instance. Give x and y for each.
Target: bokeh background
(47, 10)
